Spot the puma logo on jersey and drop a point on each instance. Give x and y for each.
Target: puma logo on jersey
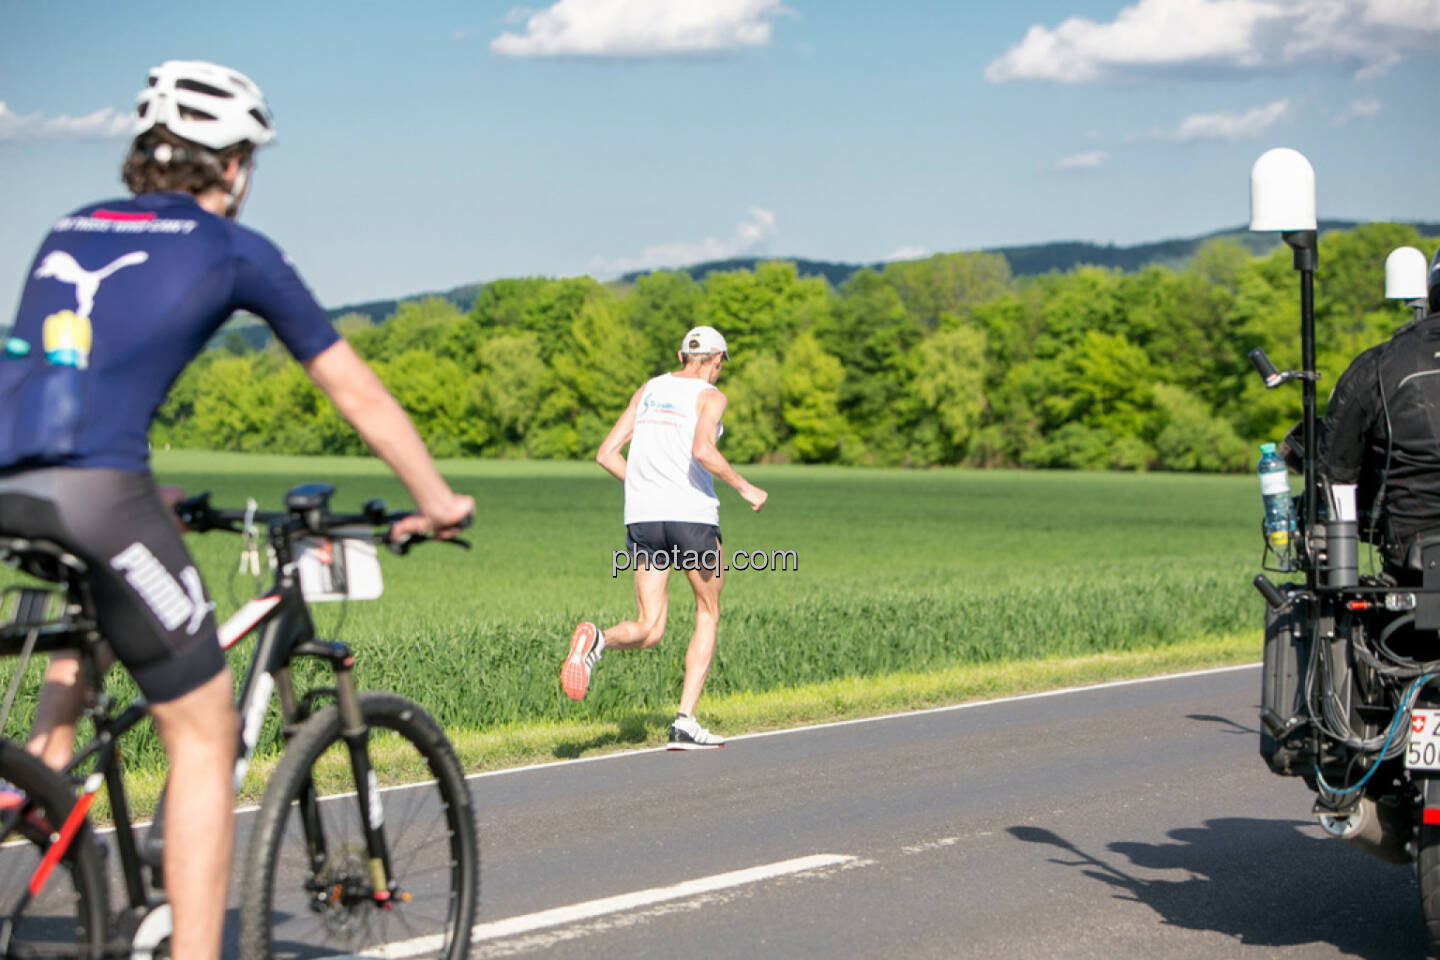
(59, 265)
(171, 603)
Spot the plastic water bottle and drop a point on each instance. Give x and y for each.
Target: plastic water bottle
(1275, 492)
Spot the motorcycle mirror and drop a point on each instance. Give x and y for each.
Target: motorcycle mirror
(1406, 275)
(1282, 191)
(1264, 367)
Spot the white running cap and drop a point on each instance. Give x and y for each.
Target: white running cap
(702, 340)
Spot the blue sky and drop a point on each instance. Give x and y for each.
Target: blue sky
(429, 145)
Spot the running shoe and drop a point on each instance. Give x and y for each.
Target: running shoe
(585, 646)
(687, 734)
(12, 799)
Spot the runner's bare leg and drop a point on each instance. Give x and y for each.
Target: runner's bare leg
(706, 584)
(651, 605)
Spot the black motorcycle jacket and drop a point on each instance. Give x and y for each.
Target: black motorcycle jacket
(1385, 408)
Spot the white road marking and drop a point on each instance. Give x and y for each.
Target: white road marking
(590, 909)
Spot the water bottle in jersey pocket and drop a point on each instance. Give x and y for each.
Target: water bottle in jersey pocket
(43, 408)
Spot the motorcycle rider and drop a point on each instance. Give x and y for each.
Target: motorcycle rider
(1382, 433)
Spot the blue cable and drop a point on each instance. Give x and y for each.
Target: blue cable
(1400, 712)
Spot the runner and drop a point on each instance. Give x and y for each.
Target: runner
(672, 518)
(122, 295)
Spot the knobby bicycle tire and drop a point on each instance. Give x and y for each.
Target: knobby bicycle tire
(296, 905)
(68, 916)
(1427, 841)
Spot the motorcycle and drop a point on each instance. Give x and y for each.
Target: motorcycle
(1350, 698)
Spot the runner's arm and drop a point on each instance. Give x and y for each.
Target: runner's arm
(709, 409)
(381, 422)
(609, 455)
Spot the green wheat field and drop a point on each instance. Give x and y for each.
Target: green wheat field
(903, 577)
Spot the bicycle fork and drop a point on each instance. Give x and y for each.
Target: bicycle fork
(367, 790)
(356, 734)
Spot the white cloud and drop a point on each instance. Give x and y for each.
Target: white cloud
(905, 253)
(750, 237)
(1088, 160)
(1223, 36)
(1223, 126)
(101, 124)
(639, 28)
(1362, 109)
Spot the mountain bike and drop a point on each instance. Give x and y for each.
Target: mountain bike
(336, 863)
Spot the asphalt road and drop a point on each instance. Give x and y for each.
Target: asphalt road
(1133, 820)
(1126, 821)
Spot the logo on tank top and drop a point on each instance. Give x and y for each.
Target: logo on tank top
(658, 411)
(67, 334)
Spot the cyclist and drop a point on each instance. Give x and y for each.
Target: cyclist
(672, 518)
(122, 295)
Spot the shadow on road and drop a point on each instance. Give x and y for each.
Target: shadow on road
(1263, 882)
(1233, 727)
(632, 729)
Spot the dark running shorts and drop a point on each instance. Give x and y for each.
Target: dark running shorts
(684, 546)
(153, 609)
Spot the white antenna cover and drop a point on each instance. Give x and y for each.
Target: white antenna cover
(1405, 275)
(1282, 191)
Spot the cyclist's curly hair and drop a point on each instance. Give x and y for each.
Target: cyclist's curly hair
(189, 167)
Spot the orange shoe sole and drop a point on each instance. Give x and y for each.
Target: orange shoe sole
(574, 675)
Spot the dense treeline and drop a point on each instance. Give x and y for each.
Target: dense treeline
(948, 360)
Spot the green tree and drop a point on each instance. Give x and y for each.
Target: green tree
(810, 401)
(950, 382)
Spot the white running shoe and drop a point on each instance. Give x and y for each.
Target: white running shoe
(586, 643)
(687, 734)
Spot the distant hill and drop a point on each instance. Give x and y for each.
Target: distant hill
(247, 332)
(1040, 258)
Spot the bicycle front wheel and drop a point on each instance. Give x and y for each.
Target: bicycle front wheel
(309, 889)
(47, 908)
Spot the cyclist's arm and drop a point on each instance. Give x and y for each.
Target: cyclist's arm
(609, 455)
(709, 408)
(365, 403)
(268, 284)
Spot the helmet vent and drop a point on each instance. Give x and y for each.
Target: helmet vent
(143, 109)
(190, 113)
(205, 88)
(260, 118)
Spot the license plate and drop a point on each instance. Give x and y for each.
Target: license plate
(1423, 750)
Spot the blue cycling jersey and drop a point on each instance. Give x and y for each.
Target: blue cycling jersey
(122, 295)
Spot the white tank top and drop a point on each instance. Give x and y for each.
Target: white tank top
(663, 482)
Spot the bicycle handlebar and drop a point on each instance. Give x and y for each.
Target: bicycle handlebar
(198, 515)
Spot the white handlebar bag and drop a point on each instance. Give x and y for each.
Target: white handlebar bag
(339, 568)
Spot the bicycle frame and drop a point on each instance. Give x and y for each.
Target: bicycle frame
(282, 619)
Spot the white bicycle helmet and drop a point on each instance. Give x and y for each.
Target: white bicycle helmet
(204, 103)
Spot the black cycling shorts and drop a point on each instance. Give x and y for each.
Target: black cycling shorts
(152, 607)
(674, 545)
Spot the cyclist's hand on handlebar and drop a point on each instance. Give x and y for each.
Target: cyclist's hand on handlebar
(442, 521)
(172, 496)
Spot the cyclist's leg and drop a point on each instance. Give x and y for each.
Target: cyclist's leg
(153, 609)
(52, 734)
(705, 581)
(199, 731)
